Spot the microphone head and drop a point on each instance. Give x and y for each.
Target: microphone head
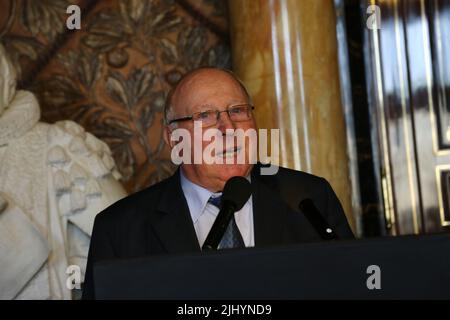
(237, 190)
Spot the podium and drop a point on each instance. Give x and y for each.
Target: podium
(410, 267)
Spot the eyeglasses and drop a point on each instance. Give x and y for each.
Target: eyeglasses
(236, 113)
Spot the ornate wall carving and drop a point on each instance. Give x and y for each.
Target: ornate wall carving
(112, 75)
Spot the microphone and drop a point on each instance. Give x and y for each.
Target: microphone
(235, 194)
(317, 220)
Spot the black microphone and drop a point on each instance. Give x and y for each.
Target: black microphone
(317, 220)
(235, 194)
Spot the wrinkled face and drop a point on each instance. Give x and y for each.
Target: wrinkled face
(206, 90)
(7, 80)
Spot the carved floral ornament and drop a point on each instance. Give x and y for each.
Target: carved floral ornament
(112, 75)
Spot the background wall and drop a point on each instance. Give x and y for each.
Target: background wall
(112, 75)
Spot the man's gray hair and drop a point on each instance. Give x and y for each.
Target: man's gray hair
(168, 110)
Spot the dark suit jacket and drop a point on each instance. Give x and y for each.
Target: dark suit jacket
(156, 220)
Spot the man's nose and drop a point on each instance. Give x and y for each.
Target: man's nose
(224, 122)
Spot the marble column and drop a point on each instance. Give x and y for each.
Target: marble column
(285, 51)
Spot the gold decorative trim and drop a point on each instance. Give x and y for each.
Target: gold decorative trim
(439, 170)
(411, 181)
(389, 209)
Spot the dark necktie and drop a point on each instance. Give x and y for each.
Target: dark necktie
(232, 237)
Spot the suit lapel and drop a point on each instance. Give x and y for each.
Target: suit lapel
(172, 222)
(269, 213)
(173, 225)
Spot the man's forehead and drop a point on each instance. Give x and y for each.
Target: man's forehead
(206, 81)
(203, 91)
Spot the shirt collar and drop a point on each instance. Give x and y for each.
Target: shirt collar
(196, 196)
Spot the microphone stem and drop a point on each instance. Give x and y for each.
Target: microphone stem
(219, 227)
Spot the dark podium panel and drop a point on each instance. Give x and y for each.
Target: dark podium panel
(411, 267)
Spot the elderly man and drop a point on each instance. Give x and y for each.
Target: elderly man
(175, 215)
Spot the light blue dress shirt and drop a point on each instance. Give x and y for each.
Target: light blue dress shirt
(204, 214)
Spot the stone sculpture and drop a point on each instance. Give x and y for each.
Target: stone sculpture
(54, 179)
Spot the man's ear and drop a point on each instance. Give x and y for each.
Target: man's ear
(167, 134)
